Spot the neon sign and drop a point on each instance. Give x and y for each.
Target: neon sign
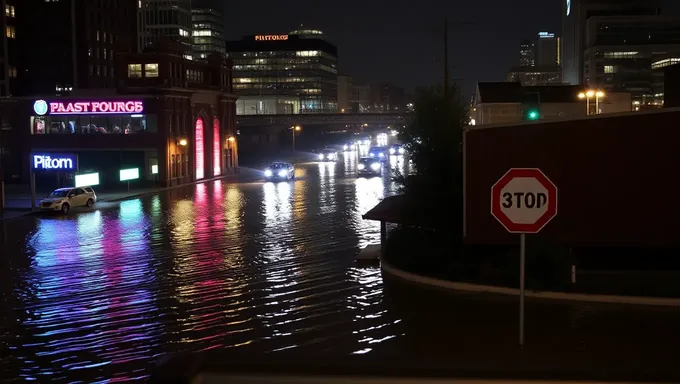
(88, 107)
(54, 162)
(217, 149)
(200, 150)
(271, 37)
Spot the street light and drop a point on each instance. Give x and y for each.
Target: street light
(589, 94)
(182, 142)
(295, 128)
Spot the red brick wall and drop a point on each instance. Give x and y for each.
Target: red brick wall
(618, 177)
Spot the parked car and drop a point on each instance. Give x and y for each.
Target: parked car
(63, 199)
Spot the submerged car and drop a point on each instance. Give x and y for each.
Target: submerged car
(369, 166)
(380, 153)
(63, 199)
(328, 154)
(279, 171)
(397, 149)
(350, 146)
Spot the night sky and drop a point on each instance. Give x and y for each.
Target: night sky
(400, 41)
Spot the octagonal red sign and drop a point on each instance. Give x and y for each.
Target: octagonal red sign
(524, 200)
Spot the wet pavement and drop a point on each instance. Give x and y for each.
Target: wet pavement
(259, 268)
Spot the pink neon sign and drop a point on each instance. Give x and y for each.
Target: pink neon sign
(96, 107)
(200, 150)
(217, 149)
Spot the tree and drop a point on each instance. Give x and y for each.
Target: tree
(433, 140)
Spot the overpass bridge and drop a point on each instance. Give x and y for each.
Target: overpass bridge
(322, 119)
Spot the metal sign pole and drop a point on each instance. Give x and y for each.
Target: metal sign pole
(522, 262)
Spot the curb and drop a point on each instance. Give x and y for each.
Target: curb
(562, 296)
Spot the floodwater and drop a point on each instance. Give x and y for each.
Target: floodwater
(265, 268)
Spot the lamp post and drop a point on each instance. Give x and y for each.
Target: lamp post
(589, 94)
(295, 128)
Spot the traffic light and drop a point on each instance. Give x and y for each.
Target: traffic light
(533, 114)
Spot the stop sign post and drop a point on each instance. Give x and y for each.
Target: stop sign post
(523, 200)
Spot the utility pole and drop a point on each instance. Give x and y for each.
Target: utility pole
(446, 60)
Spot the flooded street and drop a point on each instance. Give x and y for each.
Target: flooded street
(260, 268)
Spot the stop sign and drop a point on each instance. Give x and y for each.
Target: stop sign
(524, 200)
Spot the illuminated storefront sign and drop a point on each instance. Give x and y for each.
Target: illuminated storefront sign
(200, 150)
(54, 162)
(41, 107)
(87, 180)
(217, 149)
(271, 37)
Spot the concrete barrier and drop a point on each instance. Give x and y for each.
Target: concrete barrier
(468, 287)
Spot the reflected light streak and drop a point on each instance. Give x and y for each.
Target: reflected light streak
(369, 192)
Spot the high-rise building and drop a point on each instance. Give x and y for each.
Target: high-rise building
(575, 13)
(548, 49)
(622, 52)
(68, 45)
(527, 53)
(208, 31)
(165, 18)
(8, 46)
(285, 73)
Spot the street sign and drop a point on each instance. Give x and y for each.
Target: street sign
(524, 200)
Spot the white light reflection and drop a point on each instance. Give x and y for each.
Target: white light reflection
(327, 188)
(369, 192)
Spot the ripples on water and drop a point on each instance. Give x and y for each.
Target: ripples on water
(258, 266)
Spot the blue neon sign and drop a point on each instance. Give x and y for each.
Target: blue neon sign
(54, 162)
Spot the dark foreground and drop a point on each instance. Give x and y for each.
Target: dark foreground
(264, 270)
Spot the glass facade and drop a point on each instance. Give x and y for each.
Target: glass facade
(302, 68)
(92, 124)
(622, 53)
(208, 33)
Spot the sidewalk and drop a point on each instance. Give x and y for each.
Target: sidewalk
(18, 199)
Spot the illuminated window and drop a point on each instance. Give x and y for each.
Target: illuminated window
(609, 69)
(620, 55)
(183, 32)
(9, 11)
(9, 32)
(203, 33)
(151, 70)
(134, 70)
(307, 53)
(12, 72)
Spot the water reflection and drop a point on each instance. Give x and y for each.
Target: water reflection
(368, 193)
(327, 187)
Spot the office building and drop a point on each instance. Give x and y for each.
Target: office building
(285, 73)
(8, 46)
(208, 31)
(527, 53)
(548, 49)
(575, 13)
(157, 19)
(68, 46)
(536, 75)
(622, 52)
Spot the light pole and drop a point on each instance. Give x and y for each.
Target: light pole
(295, 128)
(590, 94)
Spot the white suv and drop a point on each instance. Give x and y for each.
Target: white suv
(63, 199)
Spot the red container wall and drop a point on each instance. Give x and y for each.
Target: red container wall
(618, 178)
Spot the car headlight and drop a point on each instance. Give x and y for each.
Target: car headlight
(401, 151)
(321, 156)
(381, 154)
(268, 172)
(392, 151)
(345, 147)
(367, 142)
(361, 166)
(375, 166)
(371, 154)
(283, 173)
